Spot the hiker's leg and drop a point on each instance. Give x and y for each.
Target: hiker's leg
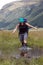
(25, 39)
(25, 42)
(21, 39)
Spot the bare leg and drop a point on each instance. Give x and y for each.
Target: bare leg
(25, 42)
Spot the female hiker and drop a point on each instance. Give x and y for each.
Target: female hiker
(23, 26)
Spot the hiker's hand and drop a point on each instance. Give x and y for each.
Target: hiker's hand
(12, 32)
(35, 27)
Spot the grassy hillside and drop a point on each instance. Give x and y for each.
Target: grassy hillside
(10, 14)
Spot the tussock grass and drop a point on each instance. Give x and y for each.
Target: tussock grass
(36, 38)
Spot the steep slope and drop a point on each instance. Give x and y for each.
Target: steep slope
(10, 14)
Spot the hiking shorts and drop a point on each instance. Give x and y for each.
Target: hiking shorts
(23, 36)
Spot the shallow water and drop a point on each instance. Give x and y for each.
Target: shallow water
(34, 53)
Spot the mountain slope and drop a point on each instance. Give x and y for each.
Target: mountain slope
(10, 14)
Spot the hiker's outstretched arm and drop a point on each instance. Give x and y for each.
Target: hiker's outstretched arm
(15, 28)
(30, 26)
